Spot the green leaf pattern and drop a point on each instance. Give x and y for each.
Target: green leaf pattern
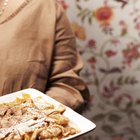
(107, 33)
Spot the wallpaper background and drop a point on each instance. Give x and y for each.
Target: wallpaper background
(108, 38)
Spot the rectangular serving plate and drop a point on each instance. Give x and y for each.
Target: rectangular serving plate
(76, 120)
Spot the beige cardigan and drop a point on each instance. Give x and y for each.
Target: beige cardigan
(37, 50)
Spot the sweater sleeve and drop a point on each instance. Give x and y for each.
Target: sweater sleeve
(65, 83)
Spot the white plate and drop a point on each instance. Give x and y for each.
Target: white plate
(76, 119)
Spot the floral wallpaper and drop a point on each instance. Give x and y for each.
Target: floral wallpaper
(108, 38)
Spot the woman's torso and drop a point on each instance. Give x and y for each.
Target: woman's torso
(26, 46)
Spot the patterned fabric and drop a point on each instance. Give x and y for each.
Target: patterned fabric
(108, 38)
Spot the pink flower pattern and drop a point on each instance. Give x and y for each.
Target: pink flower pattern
(108, 38)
